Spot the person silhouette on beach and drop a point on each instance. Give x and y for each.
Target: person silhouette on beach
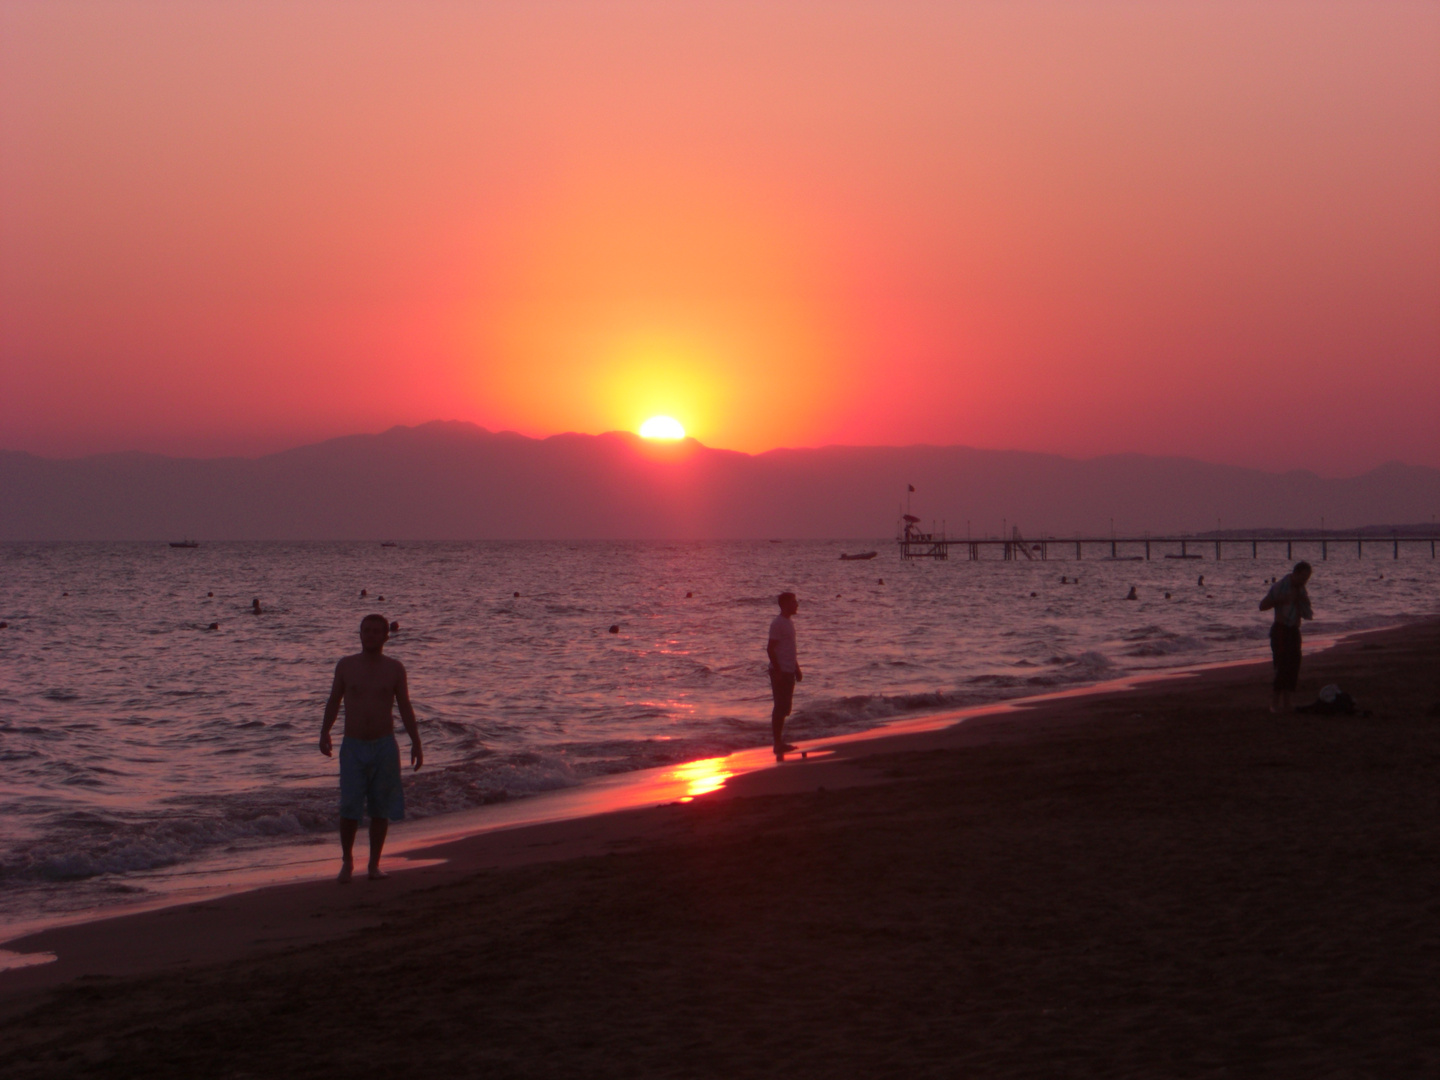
(1291, 603)
(369, 683)
(784, 669)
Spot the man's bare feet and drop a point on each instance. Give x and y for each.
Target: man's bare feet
(347, 870)
(376, 874)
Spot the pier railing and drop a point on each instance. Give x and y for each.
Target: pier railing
(916, 545)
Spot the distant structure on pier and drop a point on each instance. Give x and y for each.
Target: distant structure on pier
(915, 543)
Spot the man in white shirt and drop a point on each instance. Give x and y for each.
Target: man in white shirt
(784, 668)
(1291, 603)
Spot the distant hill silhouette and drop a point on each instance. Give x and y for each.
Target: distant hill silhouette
(451, 480)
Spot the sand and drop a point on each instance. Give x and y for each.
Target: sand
(1163, 882)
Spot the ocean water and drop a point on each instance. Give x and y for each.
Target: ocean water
(135, 739)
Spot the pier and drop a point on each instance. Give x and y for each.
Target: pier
(915, 544)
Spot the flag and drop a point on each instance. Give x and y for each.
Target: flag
(910, 486)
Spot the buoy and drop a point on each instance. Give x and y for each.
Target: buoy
(1201, 582)
(1167, 596)
(364, 592)
(209, 594)
(214, 626)
(395, 627)
(4, 625)
(1062, 580)
(1032, 594)
(880, 581)
(688, 595)
(380, 598)
(255, 606)
(1132, 595)
(517, 594)
(614, 628)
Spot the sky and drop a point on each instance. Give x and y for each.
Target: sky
(1206, 228)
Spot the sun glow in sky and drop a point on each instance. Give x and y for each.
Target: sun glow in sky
(1204, 228)
(662, 427)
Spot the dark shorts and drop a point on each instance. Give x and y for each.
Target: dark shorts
(370, 779)
(1285, 648)
(782, 685)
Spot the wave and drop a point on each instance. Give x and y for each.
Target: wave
(859, 711)
(87, 844)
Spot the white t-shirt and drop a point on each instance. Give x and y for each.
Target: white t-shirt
(782, 632)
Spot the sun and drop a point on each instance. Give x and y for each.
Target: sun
(662, 427)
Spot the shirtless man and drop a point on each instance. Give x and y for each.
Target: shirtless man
(784, 669)
(369, 683)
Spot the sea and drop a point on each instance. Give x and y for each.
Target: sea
(151, 720)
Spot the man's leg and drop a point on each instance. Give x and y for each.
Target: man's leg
(348, 826)
(782, 686)
(1277, 658)
(379, 826)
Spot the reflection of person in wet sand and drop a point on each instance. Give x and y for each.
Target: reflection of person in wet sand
(370, 683)
(784, 668)
(1291, 603)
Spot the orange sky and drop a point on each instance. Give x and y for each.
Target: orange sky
(1209, 229)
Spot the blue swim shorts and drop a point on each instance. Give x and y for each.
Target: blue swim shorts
(370, 779)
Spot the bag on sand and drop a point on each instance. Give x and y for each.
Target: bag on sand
(1332, 701)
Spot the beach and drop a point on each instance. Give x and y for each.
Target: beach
(147, 752)
(1166, 881)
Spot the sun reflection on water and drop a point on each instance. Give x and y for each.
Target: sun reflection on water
(702, 777)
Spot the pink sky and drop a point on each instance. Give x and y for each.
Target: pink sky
(1209, 229)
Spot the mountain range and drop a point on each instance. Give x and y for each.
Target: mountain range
(453, 480)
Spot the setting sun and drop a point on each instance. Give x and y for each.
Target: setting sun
(662, 427)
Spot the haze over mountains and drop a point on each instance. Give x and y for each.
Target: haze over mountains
(453, 480)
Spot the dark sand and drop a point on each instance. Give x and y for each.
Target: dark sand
(1162, 883)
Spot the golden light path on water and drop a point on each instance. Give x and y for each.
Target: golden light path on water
(703, 777)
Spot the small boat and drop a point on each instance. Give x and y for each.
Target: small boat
(388, 543)
(185, 543)
(1184, 556)
(861, 555)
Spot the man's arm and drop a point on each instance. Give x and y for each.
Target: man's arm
(332, 708)
(1269, 601)
(407, 716)
(771, 648)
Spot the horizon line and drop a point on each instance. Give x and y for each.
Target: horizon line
(695, 442)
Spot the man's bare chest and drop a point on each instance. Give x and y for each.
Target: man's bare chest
(371, 683)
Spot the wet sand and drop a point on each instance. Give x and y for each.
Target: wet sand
(1163, 882)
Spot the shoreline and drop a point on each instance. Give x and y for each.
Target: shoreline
(623, 812)
(217, 877)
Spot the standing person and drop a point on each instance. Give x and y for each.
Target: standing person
(370, 683)
(784, 668)
(1291, 603)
